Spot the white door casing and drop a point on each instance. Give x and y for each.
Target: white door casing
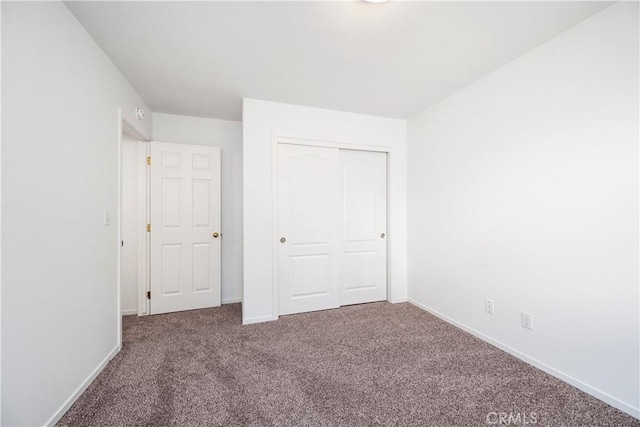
(363, 240)
(184, 218)
(308, 225)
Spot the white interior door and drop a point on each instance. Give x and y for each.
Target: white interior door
(185, 227)
(308, 225)
(363, 242)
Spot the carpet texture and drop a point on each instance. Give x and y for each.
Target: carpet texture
(371, 364)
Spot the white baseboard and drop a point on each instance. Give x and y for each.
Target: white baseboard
(129, 312)
(260, 319)
(231, 300)
(399, 300)
(634, 412)
(76, 394)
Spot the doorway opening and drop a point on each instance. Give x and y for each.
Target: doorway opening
(169, 226)
(133, 214)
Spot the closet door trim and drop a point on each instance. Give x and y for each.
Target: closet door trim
(333, 144)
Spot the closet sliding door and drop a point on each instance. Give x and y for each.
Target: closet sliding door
(363, 237)
(332, 216)
(309, 227)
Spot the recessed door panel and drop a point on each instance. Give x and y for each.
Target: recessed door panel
(184, 218)
(358, 271)
(311, 275)
(201, 267)
(171, 269)
(170, 214)
(171, 160)
(360, 199)
(201, 163)
(309, 199)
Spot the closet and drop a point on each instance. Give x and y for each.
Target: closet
(332, 226)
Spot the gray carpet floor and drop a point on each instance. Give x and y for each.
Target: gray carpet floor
(372, 364)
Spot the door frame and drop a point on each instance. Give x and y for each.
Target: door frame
(143, 212)
(328, 143)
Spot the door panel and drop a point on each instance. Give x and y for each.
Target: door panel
(171, 205)
(184, 212)
(363, 244)
(308, 221)
(171, 277)
(201, 266)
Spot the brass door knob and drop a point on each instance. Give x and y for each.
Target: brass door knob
(215, 235)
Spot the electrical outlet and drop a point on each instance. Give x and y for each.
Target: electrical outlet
(488, 306)
(527, 320)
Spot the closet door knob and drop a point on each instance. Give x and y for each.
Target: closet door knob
(215, 235)
(282, 240)
(382, 235)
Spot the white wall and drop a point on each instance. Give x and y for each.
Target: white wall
(131, 225)
(228, 136)
(262, 121)
(60, 100)
(523, 187)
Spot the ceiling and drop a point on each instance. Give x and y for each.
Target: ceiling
(391, 59)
